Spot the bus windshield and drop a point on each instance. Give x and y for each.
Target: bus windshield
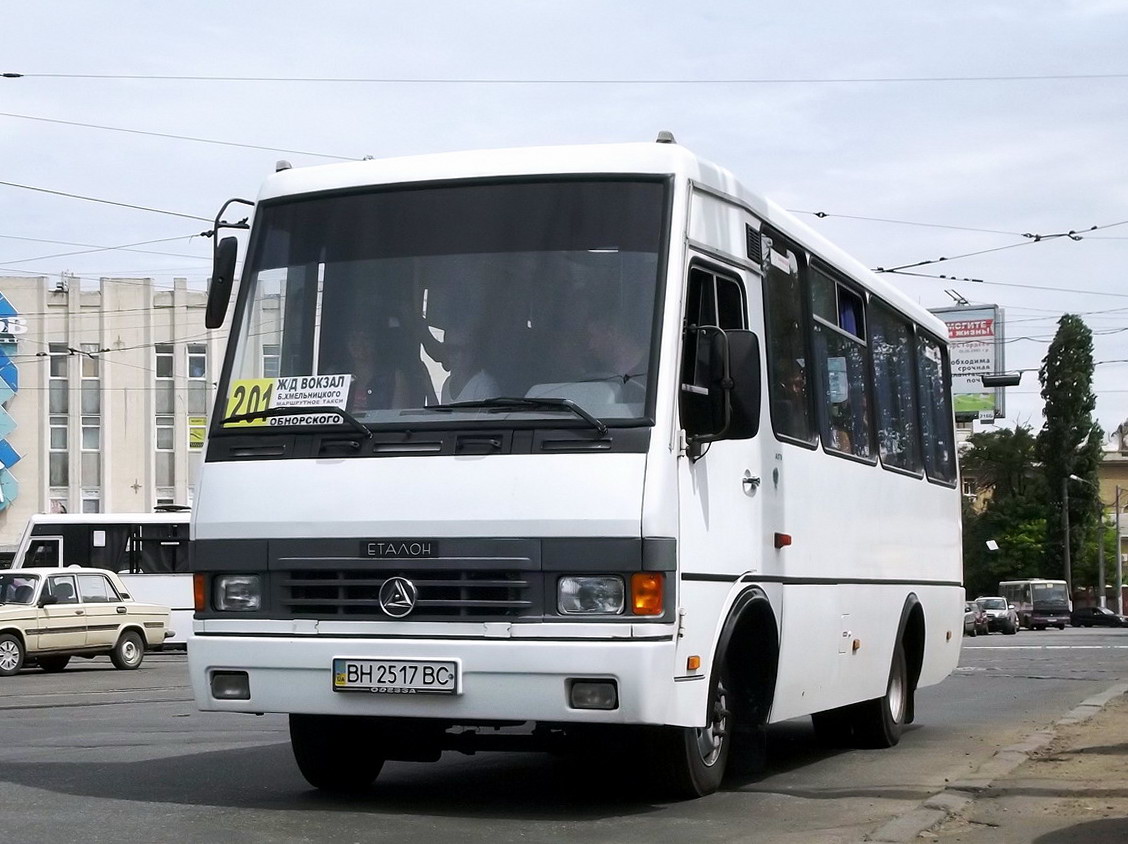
(1046, 594)
(389, 302)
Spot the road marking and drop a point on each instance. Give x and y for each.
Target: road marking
(1045, 647)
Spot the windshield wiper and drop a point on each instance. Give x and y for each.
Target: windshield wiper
(302, 411)
(503, 402)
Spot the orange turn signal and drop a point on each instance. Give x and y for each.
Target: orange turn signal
(693, 663)
(200, 592)
(646, 592)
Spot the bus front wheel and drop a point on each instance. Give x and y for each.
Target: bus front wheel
(334, 752)
(693, 759)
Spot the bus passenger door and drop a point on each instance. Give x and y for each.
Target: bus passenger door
(720, 492)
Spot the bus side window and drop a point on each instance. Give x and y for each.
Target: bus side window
(895, 403)
(789, 379)
(43, 553)
(935, 411)
(842, 357)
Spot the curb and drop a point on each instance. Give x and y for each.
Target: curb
(934, 810)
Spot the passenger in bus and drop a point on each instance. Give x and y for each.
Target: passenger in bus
(463, 358)
(385, 365)
(791, 408)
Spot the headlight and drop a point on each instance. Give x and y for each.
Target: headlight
(238, 592)
(591, 595)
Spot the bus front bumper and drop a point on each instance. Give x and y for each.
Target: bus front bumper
(508, 680)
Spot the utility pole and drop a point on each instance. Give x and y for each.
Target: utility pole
(1119, 559)
(1065, 534)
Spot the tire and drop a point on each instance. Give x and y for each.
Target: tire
(834, 727)
(1010, 631)
(336, 753)
(53, 664)
(692, 760)
(879, 722)
(11, 655)
(1061, 627)
(128, 652)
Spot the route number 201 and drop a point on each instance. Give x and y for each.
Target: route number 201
(251, 395)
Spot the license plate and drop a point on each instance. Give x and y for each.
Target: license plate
(396, 676)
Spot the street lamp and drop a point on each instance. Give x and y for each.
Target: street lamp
(1100, 537)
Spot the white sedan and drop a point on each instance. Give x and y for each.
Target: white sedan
(48, 615)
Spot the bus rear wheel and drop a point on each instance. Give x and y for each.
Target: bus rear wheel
(693, 759)
(879, 722)
(335, 753)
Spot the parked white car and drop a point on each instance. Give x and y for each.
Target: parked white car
(48, 615)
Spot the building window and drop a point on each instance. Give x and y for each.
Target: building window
(164, 361)
(91, 501)
(271, 360)
(59, 395)
(166, 456)
(58, 456)
(166, 385)
(197, 378)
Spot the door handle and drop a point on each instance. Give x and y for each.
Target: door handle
(121, 610)
(80, 612)
(751, 483)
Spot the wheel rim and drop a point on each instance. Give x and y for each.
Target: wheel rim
(711, 738)
(9, 655)
(897, 692)
(130, 652)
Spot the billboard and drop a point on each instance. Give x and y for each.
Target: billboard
(975, 345)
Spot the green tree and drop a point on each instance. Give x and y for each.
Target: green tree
(1069, 443)
(1002, 467)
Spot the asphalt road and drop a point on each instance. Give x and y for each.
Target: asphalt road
(95, 754)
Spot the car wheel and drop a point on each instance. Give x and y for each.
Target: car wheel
(11, 655)
(1061, 627)
(336, 753)
(692, 759)
(128, 652)
(53, 664)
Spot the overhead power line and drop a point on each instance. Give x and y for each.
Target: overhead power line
(402, 80)
(175, 137)
(1072, 234)
(105, 201)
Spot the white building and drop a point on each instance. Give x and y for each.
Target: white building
(104, 396)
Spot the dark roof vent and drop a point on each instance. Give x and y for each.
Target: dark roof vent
(282, 164)
(665, 137)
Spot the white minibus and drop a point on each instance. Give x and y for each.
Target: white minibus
(589, 444)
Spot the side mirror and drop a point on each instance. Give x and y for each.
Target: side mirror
(222, 280)
(732, 359)
(48, 599)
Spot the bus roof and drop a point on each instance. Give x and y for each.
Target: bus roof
(649, 159)
(108, 518)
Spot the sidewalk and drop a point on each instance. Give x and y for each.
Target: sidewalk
(1065, 785)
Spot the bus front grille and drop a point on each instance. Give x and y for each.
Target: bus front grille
(355, 594)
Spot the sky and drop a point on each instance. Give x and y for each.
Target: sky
(922, 130)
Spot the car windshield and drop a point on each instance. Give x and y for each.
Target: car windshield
(389, 302)
(17, 588)
(993, 603)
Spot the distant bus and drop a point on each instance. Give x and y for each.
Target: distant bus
(1039, 603)
(149, 551)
